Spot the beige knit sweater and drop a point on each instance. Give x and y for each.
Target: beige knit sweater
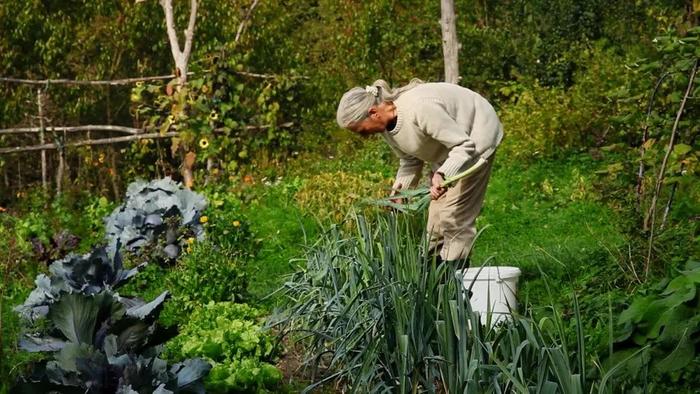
(443, 124)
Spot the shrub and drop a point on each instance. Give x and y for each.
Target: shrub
(228, 336)
(207, 273)
(550, 121)
(331, 196)
(227, 226)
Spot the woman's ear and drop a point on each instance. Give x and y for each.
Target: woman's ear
(372, 112)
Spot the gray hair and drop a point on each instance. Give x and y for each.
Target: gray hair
(355, 104)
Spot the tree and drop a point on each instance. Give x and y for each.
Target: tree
(450, 45)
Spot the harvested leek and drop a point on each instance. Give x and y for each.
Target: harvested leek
(418, 199)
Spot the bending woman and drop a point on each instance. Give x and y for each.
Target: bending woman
(443, 124)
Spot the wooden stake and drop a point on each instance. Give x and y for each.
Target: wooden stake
(187, 173)
(60, 169)
(40, 102)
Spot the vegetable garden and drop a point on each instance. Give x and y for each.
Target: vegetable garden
(214, 231)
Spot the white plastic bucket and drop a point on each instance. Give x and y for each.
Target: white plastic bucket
(493, 291)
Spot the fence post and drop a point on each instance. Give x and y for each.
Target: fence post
(40, 103)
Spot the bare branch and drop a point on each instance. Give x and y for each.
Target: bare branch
(241, 27)
(28, 130)
(103, 141)
(261, 127)
(189, 33)
(267, 76)
(125, 81)
(645, 137)
(660, 178)
(170, 27)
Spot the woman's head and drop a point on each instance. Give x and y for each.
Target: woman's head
(373, 102)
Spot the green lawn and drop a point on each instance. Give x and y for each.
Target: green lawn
(544, 215)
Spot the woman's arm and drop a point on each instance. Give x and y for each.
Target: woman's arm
(410, 168)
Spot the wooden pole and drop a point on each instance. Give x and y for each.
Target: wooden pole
(102, 141)
(40, 102)
(88, 128)
(450, 45)
(59, 170)
(63, 81)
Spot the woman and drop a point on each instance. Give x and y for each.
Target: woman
(445, 125)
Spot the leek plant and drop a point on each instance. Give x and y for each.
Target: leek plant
(378, 315)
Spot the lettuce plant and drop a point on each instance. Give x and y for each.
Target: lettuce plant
(240, 351)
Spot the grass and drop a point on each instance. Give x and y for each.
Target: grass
(281, 229)
(542, 215)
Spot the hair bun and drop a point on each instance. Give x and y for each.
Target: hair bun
(373, 90)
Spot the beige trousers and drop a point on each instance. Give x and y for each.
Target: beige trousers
(452, 217)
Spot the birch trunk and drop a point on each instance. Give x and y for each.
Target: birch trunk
(450, 45)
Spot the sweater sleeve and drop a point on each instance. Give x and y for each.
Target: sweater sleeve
(410, 168)
(433, 119)
(409, 172)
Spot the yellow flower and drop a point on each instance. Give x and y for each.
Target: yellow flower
(236, 223)
(203, 219)
(203, 143)
(190, 240)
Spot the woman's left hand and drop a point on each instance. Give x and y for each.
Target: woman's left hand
(436, 190)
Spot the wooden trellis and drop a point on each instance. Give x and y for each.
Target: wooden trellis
(60, 133)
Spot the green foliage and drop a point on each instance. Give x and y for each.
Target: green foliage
(330, 196)
(227, 335)
(208, 273)
(16, 272)
(225, 116)
(545, 121)
(665, 323)
(227, 226)
(380, 316)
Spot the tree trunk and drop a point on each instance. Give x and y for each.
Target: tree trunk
(450, 45)
(181, 57)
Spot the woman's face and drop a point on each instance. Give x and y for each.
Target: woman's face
(376, 122)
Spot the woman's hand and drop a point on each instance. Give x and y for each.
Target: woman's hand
(394, 191)
(436, 190)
